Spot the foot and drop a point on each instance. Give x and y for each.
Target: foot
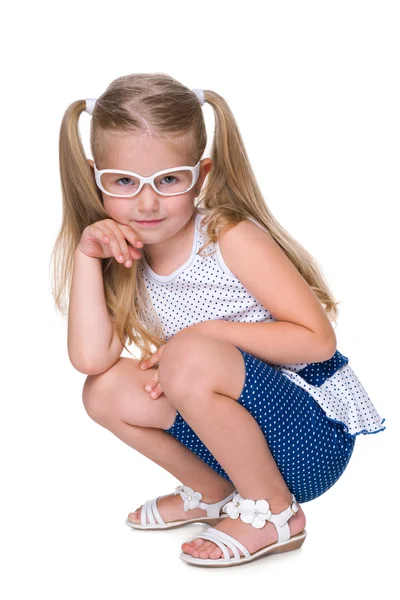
(253, 539)
(171, 509)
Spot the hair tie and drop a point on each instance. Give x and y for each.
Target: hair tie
(90, 102)
(200, 96)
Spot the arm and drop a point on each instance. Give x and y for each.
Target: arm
(301, 331)
(93, 347)
(275, 342)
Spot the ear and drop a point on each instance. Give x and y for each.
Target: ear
(205, 168)
(206, 165)
(91, 163)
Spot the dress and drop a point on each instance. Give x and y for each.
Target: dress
(310, 413)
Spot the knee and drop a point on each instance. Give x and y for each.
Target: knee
(97, 394)
(179, 362)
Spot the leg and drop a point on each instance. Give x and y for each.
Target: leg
(227, 429)
(118, 401)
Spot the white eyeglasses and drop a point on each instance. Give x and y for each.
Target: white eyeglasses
(113, 181)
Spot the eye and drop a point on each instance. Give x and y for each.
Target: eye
(124, 179)
(169, 177)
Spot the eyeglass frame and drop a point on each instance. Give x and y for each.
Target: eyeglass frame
(195, 175)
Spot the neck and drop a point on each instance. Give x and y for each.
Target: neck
(161, 254)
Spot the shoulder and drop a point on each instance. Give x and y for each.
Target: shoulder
(244, 227)
(246, 232)
(264, 269)
(250, 251)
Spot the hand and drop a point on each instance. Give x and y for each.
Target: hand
(153, 386)
(107, 238)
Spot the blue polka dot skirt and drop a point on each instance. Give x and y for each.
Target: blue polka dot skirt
(310, 450)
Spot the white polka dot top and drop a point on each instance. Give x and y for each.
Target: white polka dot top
(204, 288)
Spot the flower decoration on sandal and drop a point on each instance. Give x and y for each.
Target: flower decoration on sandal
(191, 499)
(255, 512)
(233, 508)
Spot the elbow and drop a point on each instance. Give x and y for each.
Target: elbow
(88, 367)
(329, 347)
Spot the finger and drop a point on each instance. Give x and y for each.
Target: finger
(123, 233)
(99, 233)
(125, 256)
(118, 244)
(147, 363)
(154, 380)
(156, 392)
(131, 235)
(150, 385)
(155, 388)
(154, 358)
(113, 242)
(134, 253)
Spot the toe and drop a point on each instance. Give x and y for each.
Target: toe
(190, 547)
(216, 553)
(203, 550)
(199, 546)
(134, 517)
(207, 550)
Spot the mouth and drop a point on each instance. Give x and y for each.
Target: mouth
(150, 222)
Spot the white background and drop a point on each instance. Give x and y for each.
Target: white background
(314, 87)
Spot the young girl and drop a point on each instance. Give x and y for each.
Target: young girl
(252, 407)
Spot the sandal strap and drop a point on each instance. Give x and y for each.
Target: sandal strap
(211, 538)
(258, 518)
(281, 519)
(223, 540)
(150, 515)
(214, 510)
(193, 499)
(149, 511)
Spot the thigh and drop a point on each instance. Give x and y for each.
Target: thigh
(119, 393)
(310, 450)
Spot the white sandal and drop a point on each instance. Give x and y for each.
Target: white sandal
(256, 513)
(191, 499)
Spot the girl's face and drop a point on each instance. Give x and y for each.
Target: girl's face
(146, 155)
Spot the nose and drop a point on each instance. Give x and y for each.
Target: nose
(147, 199)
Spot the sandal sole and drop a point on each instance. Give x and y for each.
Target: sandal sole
(294, 543)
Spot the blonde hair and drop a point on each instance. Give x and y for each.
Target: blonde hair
(131, 105)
